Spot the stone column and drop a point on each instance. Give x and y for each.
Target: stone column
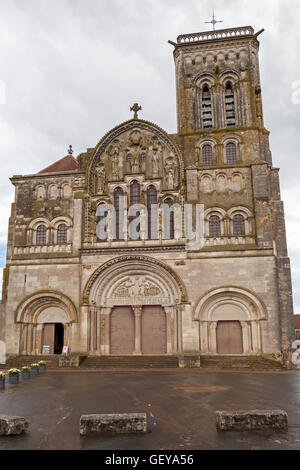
(179, 327)
(213, 337)
(255, 326)
(33, 349)
(246, 337)
(29, 339)
(39, 338)
(204, 347)
(170, 329)
(138, 329)
(23, 348)
(105, 331)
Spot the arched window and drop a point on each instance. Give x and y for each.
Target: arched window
(229, 105)
(206, 108)
(214, 226)
(152, 214)
(62, 234)
(170, 221)
(207, 154)
(238, 225)
(135, 198)
(118, 194)
(231, 156)
(41, 235)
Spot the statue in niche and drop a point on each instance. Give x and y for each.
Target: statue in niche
(100, 178)
(135, 152)
(114, 153)
(170, 172)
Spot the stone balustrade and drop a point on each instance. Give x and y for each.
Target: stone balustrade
(213, 35)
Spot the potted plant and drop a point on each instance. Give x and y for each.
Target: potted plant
(25, 372)
(35, 369)
(42, 365)
(13, 376)
(2, 381)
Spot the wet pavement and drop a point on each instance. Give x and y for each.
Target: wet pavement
(180, 404)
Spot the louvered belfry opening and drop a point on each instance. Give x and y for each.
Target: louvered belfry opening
(229, 105)
(206, 108)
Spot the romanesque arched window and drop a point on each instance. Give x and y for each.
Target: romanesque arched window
(207, 154)
(135, 193)
(41, 235)
(231, 154)
(118, 195)
(238, 225)
(214, 226)
(206, 108)
(229, 105)
(135, 198)
(62, 234)
(151, 200)
(171, 229)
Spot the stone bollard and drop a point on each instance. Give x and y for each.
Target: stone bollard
(131, 423)
(12, 425)
(251, 420)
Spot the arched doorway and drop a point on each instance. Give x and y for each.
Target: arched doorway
(231, 321)
(152, 294)
(122, 331)
(46, 319)
(229, 337)
(53, 337)
(154, 330)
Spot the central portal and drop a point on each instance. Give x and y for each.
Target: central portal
(144, 326)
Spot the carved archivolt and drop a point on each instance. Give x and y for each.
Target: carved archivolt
(31, 308)
(135, 147)
(134, 279)
(248, 303)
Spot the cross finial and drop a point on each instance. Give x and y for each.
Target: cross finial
(70, 151)
(136, 108)
(214, 21)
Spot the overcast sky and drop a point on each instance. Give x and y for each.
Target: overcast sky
(73, 68)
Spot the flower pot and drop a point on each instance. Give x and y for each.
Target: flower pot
(42, 367)
(2, 384)
(35, 370)
(25, 374)
(13, 379)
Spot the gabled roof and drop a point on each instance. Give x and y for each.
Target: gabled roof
(68, 163)
(297, 322)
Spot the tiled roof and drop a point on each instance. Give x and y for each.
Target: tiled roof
(297, 322)
(68, 163)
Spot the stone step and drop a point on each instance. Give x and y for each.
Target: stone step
(240, 362)
(20, 361)
(129, 362)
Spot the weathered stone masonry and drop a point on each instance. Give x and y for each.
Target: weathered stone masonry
(64, 286)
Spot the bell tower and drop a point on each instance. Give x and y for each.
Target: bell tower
(218, 86)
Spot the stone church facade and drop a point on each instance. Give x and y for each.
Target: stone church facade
(64, 286)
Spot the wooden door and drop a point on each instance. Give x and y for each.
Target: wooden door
(154, 330)
(229, 337)
(49, 335)
(122, 331)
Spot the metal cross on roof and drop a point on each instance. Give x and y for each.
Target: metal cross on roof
(70, 151)
(214, 21)
(136, 108)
